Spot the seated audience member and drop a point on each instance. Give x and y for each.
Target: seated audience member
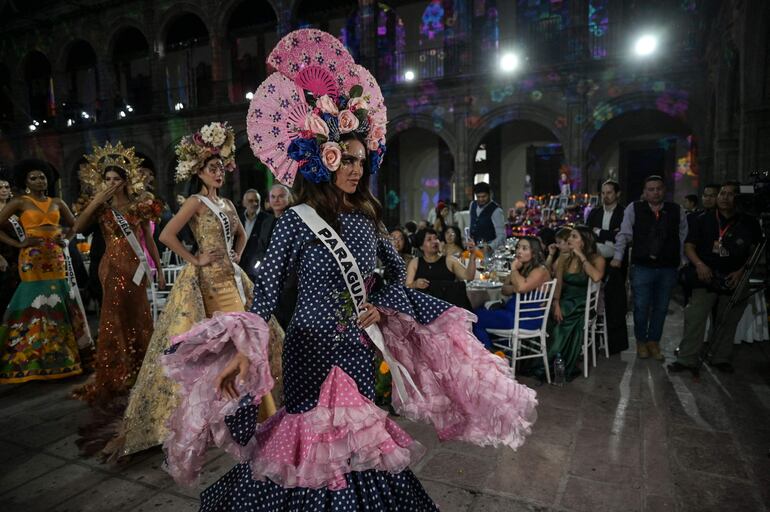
(528, 272)
(400, 241)
(438, 275)
(718, 245)
(411, 229)
(581, 263)
(452, 244)
(558, 250)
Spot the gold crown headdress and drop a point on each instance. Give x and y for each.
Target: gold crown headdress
(101, 158)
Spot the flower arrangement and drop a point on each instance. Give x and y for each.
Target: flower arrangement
(318, 149)
(214, 139)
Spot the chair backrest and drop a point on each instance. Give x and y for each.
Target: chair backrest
(537, 304)
(171, 273)
(592, 300)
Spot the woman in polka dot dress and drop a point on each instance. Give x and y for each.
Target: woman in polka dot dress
(330, 448)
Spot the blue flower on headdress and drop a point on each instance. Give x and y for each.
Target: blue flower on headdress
(303, 149)
(375, 159)
(334, 126)
(314, 170)
(342, 101)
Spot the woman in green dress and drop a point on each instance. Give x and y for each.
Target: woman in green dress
(572, 274)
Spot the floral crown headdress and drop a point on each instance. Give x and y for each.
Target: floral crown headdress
(101, 158)
(214, 139)
(317, 95)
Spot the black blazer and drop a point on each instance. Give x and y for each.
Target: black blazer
(595, 218)
(249, 256)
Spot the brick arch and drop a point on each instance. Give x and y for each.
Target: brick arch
(59, 65)
(509, 113)
(176, 10)
(404, 122)
(118, 26)
(227, 11)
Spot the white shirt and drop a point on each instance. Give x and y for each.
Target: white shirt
(249, 223)
(606, 249)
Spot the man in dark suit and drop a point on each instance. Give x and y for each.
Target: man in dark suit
(605, 222)
(252, 217)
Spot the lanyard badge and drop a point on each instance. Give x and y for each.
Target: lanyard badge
(719, 247)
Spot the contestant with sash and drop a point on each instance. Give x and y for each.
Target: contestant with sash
(9, 255)
(330, 448)
(43, 324)
(211, 281)
(114, 182)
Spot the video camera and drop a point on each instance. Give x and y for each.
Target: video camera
(754, 199)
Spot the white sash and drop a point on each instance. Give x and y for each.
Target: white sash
(227, 229)
(75, 295)
(355, 283)
(143, 268)
(14, 220)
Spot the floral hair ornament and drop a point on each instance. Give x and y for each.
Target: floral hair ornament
(104, 157)
(212, 140)
(318, 94)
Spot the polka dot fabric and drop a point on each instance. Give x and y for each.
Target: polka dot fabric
(323, 335)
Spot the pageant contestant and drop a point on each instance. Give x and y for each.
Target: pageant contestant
(124, 211)
(331, 448)
(43, 323)
(210, 282)
(9, 255)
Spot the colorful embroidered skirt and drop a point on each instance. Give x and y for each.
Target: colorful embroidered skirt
(38, 338)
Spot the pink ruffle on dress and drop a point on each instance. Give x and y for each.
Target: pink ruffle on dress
(467, 394)
(200, 356)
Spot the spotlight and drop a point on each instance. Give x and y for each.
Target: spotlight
(509, 62)
(121, 114)
(646, 45)
(409, 75)
(35, 123)
(179, 106)
(84, 115)
(32, 127)
(129, 108)
(70, 122)
(249, 95)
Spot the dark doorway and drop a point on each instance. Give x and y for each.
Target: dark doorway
(640, 159)
(543, 164)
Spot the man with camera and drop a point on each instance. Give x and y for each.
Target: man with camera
(718, 246)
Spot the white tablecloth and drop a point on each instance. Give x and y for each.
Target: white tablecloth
(478, 295)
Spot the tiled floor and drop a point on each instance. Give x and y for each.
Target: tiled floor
(628, 438)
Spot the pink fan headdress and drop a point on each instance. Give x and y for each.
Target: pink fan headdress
(316, 95)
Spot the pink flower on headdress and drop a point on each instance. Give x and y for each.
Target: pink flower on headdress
(348, 121)
(357, 103)
(198, 138)
(372, 144)
(316, 125)
(326, 105)
(377, 132)
(331, 155)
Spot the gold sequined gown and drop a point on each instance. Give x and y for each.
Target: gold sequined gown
(196, 294)
(125, 321)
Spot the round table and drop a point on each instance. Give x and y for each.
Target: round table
(480, 292)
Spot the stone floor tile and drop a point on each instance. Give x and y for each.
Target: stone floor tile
(701, 492)
(11, 451)
(49, 432)
(148, 471)
(458, 469)
(52, 489)
(447, 497)
(487, 503)
(654, 503)
(717, 459)
(120, 494)
(554, 425)
(163, 502)
(20, 471)
(533, 472)
(589, 496)
(212, 471)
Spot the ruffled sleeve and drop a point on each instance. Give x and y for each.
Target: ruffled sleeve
(194, 361)
(396, 296)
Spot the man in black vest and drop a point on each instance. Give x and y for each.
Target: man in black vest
(487, 219)
(605, 223)
(718, 246)
(252, 219)
(656, 229)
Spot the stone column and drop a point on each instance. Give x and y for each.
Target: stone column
(572, 144)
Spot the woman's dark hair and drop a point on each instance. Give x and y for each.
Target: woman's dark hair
(195, 183)
(411, 226)
(23, 168)
(419, 237)
(407, 249)
(538, 255)
(458, 235)
(563, 233)
(589, 241)
(328, 200)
